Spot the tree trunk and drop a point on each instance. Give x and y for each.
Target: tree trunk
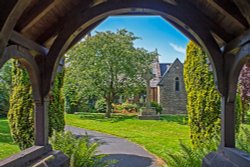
(109, 108)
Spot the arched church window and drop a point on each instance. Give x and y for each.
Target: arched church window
(177, 84)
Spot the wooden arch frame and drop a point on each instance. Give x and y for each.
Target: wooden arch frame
(240, 59)
(82, 20)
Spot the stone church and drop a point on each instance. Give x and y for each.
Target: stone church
(167, 87)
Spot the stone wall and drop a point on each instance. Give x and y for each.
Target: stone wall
(172, 101)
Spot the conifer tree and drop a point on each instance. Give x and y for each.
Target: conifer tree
(203, 101)
(21, 110)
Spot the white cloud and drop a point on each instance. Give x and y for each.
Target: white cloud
(178, 48)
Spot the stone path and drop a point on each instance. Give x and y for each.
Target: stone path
(127, 153)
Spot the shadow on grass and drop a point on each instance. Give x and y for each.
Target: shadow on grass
(180, 119)
(5, 136)
(101, 118)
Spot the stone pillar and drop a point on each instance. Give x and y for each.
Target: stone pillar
(41, 122)
(227, 123)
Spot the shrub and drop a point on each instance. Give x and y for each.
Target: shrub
(126, 107)
(157, 107)
(129, 107)
(81, 152)
(101, 106)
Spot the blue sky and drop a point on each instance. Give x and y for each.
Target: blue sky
(155, 32)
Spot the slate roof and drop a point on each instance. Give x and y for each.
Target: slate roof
(164, 67)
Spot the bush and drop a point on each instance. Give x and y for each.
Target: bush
(101, 106)
(126, 107)
(81, 152)
(157, 107)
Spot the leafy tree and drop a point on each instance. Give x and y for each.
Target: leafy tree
(106, 65)
(5, 85)
(21, 111)
(203, 101)
(244, 82)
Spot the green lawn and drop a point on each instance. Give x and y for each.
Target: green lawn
(7, 147)
(158, 137)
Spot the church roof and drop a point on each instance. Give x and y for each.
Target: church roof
(167, 69)
(164, 67)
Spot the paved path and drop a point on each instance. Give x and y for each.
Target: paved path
(128, 154)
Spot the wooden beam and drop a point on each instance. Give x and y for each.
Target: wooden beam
(244, 7)
(34, 14)
(237, 42)
(213, 26)
(10, 23)
(27, 43)
(232, 9)
(53, 30)
(50, 32)
(84, 32)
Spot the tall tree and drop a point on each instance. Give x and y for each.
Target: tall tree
(107, 65)
(244, 82)
(203, 101)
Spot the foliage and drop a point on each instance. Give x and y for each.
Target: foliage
(21, 115)
(191, 157)
(126, 107)
(82, 153)
(244, 80)
(203, 101)
(238, 112)
(5, 86)
(105, 66)
(157, 107)
(157, 136)
(56, 105)
(100, 105)
(243, 139)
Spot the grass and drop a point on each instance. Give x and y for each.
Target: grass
(158, 137)
(8, 147)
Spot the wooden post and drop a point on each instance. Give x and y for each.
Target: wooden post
(227, 123)
(41, 122)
